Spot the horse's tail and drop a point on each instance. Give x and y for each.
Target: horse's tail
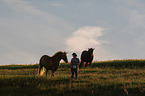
(41, 69)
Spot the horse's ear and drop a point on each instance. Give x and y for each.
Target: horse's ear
(65, 52)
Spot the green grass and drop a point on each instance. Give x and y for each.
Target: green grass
(107, 78)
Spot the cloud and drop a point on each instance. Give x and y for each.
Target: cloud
(134, 10)
(27, 33)
(88, 37)
(129, 37)
(25, 9)
(83, 38)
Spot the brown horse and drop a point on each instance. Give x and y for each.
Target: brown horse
(52, 63)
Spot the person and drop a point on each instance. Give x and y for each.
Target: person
(74, 65)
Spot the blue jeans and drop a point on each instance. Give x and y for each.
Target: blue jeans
(74, 71)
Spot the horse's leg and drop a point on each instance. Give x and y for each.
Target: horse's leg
(81, 64)
(90, 63)
(52, 73)
(86, 65)
(40, 69)
(46, 72)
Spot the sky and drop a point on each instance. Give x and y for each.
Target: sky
(32, 28)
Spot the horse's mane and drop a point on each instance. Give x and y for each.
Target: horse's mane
(58, 53)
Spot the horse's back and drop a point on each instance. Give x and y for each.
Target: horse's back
(48, 62)
(44, 60)
(83, 55)
(86, 57)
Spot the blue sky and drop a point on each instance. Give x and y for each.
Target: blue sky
(32, 28)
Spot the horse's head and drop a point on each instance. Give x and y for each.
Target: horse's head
(90, 50)
(64, 56)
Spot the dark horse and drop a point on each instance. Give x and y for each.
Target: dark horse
(87, 56)
(52, 63)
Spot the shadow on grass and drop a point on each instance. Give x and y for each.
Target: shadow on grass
(82, 91)
(32, 82)
(39, 86)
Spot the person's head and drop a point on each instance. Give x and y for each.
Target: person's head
(74, 55)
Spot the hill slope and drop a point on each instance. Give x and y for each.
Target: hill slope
(108, 78)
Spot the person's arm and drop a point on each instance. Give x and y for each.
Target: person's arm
(78, 61)
(72, 63)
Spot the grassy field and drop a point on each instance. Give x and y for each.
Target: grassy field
(108, 78)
